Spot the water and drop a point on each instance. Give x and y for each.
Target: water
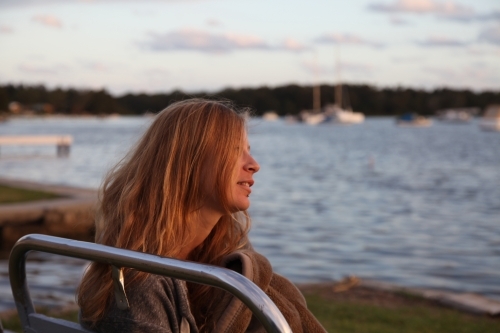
(413, 206)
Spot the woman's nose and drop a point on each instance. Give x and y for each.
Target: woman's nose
(252, 165)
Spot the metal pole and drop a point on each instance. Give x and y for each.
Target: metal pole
(338, 86)
(251, 295)
(317, 86)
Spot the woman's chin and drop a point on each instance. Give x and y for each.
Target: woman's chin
(241, 206)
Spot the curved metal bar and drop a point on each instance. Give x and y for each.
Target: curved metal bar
(251, 295)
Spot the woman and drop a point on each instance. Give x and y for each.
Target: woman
(181, 192)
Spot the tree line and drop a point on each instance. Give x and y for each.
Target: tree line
(284, 100)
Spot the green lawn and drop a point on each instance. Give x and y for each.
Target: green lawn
(10, 194)
(12, 322)
(353, 317)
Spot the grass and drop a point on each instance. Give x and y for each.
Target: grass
(372, 312)
(12, 322)
(356, 317)
(10, 194)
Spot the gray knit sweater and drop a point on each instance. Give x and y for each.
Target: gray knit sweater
(158, 304)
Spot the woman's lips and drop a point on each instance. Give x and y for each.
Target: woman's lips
(246, 184)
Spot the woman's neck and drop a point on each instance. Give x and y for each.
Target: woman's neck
(204, 221)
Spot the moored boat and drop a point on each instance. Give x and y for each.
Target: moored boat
(270, 116)
(491, 119)
(338, 115)
(413, 120)
(457, 115)
(312, 117)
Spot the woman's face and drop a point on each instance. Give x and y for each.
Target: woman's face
(242, 178)
(238, 190)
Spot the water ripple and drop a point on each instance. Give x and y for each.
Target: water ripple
(416, 207)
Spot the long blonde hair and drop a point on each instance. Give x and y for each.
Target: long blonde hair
(146, 200)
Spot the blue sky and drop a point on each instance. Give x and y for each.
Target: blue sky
(193, 45)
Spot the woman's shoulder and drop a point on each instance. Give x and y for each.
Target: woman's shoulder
(158, 287)
(156, 303)
(250, 264)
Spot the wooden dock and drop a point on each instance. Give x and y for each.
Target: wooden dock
(62, 142)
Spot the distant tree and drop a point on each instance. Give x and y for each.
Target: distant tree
(100, 102)
(288, 99)
(4, 99)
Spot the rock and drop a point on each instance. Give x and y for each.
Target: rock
(468, 302)
(71, 216)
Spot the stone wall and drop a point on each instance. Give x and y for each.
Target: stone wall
(71, 216)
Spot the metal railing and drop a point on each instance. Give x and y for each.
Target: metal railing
(245, 290)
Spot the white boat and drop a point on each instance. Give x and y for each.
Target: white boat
(341, 112)
(332, 113)
(291, 119)
(311, 117)
(413, 120)
(457, 115)
(338, 115)
(491, 119)
(270, 116)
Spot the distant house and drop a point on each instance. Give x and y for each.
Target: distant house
(37, 108)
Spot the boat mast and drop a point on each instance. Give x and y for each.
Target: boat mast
(338, 86)
(316, 87)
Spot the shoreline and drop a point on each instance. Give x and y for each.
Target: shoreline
(371, 292)
(465, 302)
(345, 307)
(70, 216)
(75, 211)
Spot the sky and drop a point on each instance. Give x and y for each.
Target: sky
(155, 46)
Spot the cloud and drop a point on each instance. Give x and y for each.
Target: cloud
(354, 68)
(491, 35)
(144, 12)
(316, 69)
(31, 68)
(443, 9)
(19, 3)
(495, 15)
(443, 73)
(196, 40)
(4, 29)
(420, 7)
(156, 71)
(335, 38)
(478, 71)
(399, 21)
(213, 23)
(470, 16)
(202, 41)
(441, 41)
(41, 3)
(411, 59)
(48, 20)
(291, 44)
(95, 66)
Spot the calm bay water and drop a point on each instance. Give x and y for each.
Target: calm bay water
(412, 206)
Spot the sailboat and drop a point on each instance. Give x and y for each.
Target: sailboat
(314, 116)
(491, 119)
(337, 114)
(332, 113)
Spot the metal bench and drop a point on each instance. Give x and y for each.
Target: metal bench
(251, 295)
